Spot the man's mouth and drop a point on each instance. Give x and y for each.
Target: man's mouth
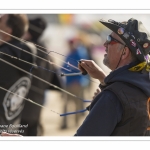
(105, 55)
(106, 50)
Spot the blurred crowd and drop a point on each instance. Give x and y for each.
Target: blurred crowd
(58, 48)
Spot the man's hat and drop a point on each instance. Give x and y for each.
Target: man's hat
(134, 34)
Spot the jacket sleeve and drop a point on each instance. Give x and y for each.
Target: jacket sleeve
(103, 117)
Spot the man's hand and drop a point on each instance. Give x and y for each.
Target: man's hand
(8, 134)
(93, 69)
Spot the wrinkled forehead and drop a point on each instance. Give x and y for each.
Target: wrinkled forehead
(3, 17)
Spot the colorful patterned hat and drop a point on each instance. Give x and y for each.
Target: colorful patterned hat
(134, 34)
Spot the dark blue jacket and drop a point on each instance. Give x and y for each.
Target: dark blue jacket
(107, 110)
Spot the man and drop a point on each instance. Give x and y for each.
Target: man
(122, 107)
(31, 113)
(11, 78)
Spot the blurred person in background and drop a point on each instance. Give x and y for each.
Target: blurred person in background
(11, 78)
(75, 84)
(31, 113)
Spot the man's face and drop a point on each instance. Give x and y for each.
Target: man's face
(113, 52)
(5, 28)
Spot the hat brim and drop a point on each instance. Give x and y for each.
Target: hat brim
(110, 25)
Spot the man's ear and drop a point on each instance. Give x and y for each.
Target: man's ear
(125, 53)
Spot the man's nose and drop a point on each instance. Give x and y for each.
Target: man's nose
(105, 44)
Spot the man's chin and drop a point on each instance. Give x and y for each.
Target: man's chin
(105, 61)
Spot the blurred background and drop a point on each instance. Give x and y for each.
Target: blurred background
(69, 38)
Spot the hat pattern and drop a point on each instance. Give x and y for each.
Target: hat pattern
(134, 34)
